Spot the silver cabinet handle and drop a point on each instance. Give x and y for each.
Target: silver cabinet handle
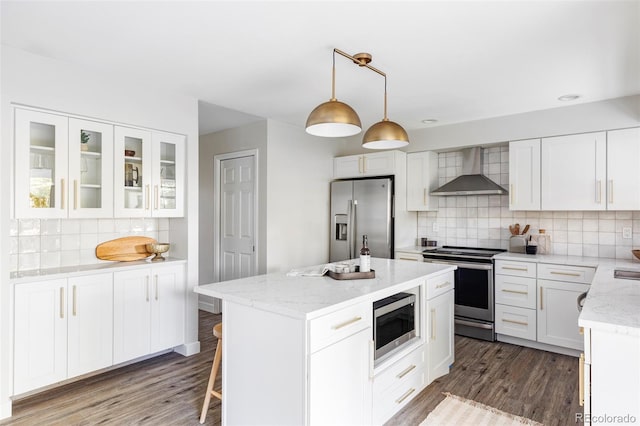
(75, 194)
(541, 299)
(599, 191)
(424, 196)
(74, 301)
(511, 268)
(155, 197)
(63, 194)
(156, 282)
(581, 381)
(406, 258)
(61, 302)
(406, 371)
(146, 196)
(444, 284)
(405, 396)
(346, 323)
(569, 274)
(359, 164)
(147, 287)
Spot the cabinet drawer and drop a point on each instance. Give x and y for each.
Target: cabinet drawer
(389, 402)
(515, 268)
(338, 325)
(574, 274)
(401, 371)
(516, 291)
(439, 285)
(517, 322)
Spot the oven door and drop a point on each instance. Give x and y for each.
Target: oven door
(474, 291)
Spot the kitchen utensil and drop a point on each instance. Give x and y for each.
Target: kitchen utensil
(516, 228)
(158, 249)
(517, 244)
(526, 228)
(124, 249)
(512, 230)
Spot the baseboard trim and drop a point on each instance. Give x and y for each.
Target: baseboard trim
(211, 307)
(537, 345)
(188, 349)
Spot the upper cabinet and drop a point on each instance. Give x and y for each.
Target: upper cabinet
(574, 172)
(422, 178)
(375, 164)
(524, 175)
(63, 166)
(66, 167)
(623, 169)
(150, 170)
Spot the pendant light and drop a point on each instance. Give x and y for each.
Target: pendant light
(337, 119)
(333, 118)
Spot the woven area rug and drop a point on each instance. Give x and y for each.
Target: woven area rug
(455, 410)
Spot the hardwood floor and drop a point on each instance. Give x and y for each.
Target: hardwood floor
(169, 389)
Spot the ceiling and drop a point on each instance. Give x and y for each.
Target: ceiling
(453, 61)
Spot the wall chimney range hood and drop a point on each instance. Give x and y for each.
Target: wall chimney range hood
(472, 181)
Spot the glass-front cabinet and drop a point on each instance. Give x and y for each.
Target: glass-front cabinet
(149, 173)
(63, 166)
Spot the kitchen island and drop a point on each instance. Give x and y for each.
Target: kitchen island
(300, 350)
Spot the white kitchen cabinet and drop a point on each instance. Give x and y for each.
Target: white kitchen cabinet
(524, 175)
(440, 335)
(149, 173)
(148, 311)
(610, 382)
(406, 255)
(422, 178)
(62, 329)
(558, 313)
(623, 173)
(58, 176)
(346, 363)
(374, 164)
(574, 172)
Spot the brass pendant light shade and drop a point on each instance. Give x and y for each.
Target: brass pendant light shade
(385, 134)
(337, 119)
(333, 119)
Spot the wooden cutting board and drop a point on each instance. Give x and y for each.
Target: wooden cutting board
(124, 249)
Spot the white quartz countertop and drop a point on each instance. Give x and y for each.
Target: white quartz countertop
(310, 297)
(612, 304)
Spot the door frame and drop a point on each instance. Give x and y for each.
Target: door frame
(217, 160)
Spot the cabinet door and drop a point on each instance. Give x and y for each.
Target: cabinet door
(40, 164)
(440, 338)
(40, 334)
(90, 324)
(131, 314)
(346, 167)
(339, 384)
(623, 173)
(524, 175)
(574, 172)
(168, 175)
(167, 307)
(90, 169)
(422, 177)
(558, 313)
(378, 164)
(132, 172)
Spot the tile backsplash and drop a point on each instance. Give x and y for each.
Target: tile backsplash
(483, 220)
(52, 243)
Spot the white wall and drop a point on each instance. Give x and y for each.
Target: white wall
(300, 167)
(42, 82)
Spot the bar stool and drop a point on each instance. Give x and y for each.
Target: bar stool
(217, 331)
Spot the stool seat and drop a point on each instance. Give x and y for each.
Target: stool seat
(217, 359)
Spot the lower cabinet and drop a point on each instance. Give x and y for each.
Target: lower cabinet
(440, 335)
(558, 313)
(148, 312)
(62, 329)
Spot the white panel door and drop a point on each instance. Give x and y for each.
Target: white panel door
(167, 307)
(558, 313)
(574, 172)
(131, 314)
(524, 175)
(237, 218)
(440, 335)
(40, 333)
(623, 169)
(90, 325)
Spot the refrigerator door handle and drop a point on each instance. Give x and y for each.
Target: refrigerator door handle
(355, 229)
(349, 228)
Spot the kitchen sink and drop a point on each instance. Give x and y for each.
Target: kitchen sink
(627, 275)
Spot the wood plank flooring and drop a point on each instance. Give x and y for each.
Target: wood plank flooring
(169, 389)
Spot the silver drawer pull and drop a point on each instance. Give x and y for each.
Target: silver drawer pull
(506, 290)
(406, 258)
(405, 372)
(445, 284)
(346, 323)
(569, 274)
(515, 322)
(511, 268)
(405, 396)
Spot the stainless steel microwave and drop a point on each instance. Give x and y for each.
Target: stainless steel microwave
(394, 322)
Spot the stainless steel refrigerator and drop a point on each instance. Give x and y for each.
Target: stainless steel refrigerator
(361, 207)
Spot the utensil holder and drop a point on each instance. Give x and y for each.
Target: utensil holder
(517, 244)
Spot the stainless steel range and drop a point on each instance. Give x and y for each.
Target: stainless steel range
(474, 289)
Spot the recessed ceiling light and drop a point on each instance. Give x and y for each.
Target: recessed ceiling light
(568, 97)
(429, 121)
